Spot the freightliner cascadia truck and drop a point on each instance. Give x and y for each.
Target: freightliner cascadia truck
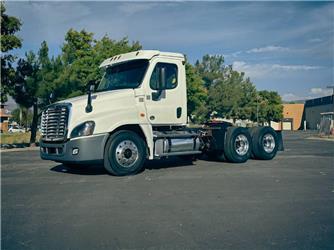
(138, 112)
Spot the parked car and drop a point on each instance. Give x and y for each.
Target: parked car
(15, 129)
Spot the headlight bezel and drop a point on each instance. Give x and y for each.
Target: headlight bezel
(83, 129)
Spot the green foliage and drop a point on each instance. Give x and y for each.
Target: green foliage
(212, 86)
(230, 94)
(233, 97)
(9, 41)
(196, 95)
(32, 75)
(22, 116)
(270, 106)
(79, 62)
(211, 69)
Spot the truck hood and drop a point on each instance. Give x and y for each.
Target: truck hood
(98, 97)
(105, 104)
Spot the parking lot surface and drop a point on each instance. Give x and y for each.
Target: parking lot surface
(285, 203)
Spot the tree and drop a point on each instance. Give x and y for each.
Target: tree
(233, 97)
(27, 79)
(22, 116)
(80, 60)
(196, 95)
(270, 106)
(230, 94)
(211, 69)
(9, 41)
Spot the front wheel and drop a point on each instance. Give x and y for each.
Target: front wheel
(237, 145)
(124, 153)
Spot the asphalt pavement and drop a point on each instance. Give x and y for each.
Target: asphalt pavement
(285, 203)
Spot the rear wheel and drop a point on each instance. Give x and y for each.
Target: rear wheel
(124, 154)
(237, 145)
(265, 143)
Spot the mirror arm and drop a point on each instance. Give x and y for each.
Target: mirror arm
(156, 95)
(89, 107)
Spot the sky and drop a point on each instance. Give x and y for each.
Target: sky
(287, 47)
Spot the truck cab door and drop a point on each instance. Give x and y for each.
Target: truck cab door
(166, 93)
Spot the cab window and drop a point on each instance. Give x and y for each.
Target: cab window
(171, 75)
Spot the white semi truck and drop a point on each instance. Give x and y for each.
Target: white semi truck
(138, 112)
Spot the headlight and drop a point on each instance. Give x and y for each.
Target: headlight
(84, 129)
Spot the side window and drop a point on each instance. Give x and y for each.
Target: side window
(171, 75)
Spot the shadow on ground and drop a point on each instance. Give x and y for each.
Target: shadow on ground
(80, 170)
(172, 162)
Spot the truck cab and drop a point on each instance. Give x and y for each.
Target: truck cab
(138, 111)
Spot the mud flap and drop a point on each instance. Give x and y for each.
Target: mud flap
(280, 140)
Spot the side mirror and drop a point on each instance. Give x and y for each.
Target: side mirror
(91, 88)
(91, 85)
(160, 93)
(162, 78)
(51, 97)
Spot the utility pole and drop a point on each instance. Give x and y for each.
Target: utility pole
(20, 118)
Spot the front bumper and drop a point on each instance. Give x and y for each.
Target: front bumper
(78, 150)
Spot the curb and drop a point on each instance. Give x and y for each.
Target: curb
(19, 149)
(320, 139)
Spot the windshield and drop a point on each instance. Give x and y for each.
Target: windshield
(128, 75)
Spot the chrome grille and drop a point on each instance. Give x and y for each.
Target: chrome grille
(54, 123)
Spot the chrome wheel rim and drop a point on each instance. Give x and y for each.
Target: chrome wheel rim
(241, 145)
(268, 143)
(126, 153)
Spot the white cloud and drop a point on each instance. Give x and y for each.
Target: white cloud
(270, 48)
(288, 97)
(313, 93)
(133, 8)
(315, 40)
(294, 67)
(321, 91)
(234, 54)
(261, 70)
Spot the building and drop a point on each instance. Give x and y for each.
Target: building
(292, 116)
(314, 108)
(315, 114)
(4, 118)
(327, 123)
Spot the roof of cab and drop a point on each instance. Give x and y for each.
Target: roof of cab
(139, 54)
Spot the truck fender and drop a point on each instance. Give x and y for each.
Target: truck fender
(145, 129)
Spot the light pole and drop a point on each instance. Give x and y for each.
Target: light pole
(332, 87)
(257, 109)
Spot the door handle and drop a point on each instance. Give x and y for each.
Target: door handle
(178, 112)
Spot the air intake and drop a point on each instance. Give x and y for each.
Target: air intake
(54, 122)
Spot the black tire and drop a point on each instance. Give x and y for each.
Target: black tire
(263, 149)
(114, 146)
(232, 145)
